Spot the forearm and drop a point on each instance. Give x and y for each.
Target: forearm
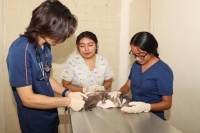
(44, 102)
(160, 106)
(57, 88)
(32, 100)
(107, 83)
(126, 87)
(165, 104)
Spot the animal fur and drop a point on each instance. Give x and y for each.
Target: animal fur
(95, 97)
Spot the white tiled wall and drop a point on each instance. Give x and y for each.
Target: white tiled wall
(103, 17)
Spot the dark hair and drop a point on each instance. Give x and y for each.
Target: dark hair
(53, 20)
(145, 41)
(89, 35)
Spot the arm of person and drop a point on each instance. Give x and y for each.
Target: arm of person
(138, 107)
(107, 83)
(38, 101)
(165, 104)
(126, 87)
(72, 87)
(165, 82)
(123, 90)
(57, 88)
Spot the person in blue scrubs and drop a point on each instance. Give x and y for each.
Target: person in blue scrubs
(150, 79)
(29, 63)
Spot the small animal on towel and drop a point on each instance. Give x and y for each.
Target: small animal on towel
(95, 97)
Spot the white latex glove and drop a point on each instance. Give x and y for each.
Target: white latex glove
(114, 94)
(137, 107)
(91, 88)
(76, 103)
(77, 95)
(100, 88)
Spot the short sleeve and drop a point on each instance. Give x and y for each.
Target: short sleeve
(165, 82)
(67, 72)
(108, 72)
(19, 69)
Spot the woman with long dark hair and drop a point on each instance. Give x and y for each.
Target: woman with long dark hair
(150, 79)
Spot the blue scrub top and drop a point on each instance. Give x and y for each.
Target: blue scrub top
(152, 84)
(23, 70)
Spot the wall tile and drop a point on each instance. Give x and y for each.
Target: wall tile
(13, 4)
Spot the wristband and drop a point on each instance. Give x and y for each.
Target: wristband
(63, 93)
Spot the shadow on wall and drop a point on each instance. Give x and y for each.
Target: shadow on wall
(61, 52)
(167, 114)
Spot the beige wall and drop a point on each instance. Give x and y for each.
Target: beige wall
(135, 17)
(102, 17)
(2, 117)
(176, 26)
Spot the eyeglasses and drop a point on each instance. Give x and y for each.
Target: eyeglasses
(141, 57)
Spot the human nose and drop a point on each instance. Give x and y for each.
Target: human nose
(137, 58)
(86, 47)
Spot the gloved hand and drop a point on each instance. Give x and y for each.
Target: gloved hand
(114, 94)
(91, 88)
(76, 103)
(100, 88)
(137, 107)
(77, 95)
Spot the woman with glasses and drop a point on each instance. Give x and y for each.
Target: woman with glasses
(150, 79)
(29, 63)
(87, 71)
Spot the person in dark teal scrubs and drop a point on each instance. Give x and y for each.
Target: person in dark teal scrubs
(150, 79)
(29, 63)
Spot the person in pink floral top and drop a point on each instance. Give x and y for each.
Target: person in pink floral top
(87, 71)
